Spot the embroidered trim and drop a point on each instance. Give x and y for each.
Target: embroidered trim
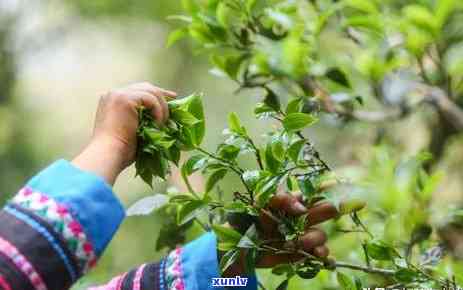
(174, 275)
(22, 264)
(4, 284)
(62, 220)
(137, 278)
(43, 231)
(161, 274)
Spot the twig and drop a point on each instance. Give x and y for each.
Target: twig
(239, 171)
(371, 270)
(257, 153)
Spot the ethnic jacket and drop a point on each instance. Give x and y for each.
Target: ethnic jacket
(57, 226)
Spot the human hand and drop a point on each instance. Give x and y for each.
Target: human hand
(114, 141)
(312, 242)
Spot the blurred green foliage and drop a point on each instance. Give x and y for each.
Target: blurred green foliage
(371, 65)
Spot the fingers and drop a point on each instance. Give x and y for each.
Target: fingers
(321, 212)
(287, 203)
(313, 242)
(152, 89)
(157, 103)
(312, 239)
(152, 103)
(321, 251)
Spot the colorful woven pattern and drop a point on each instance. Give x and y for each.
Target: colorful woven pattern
(22, 264)
(60, 217)
(173, 268)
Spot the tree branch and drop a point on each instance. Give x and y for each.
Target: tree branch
(449, 110)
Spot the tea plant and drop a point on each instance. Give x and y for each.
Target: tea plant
(277, 47)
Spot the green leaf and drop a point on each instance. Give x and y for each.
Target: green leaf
(379, 250)
(282, 269)
(262, 110)
(283, 285)
(272, 100)
(226, 15)
(176, 35)
(265, 188)
(234, 124)
(228, 151)
(306, 186)
(228, 259)
(190, 5)
(271, 162)
(183, 117)
(421, 17)
(294, 106)
(229, 64)
(362, 5)
(235, 207)
(338, 76)
(298, 121)
(345, 282)
(215, 177)
(444, 9)
(189, 210)
(193, 164)
(294, 150)
(195, 107)
(405, 275)
(278, 150)
(252, 177)
(358, 283)
(226, 234)
(173, 154)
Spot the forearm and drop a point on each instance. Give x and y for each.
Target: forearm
(104, 157)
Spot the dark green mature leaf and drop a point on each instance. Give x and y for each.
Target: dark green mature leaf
(271, 162)
(298, 121)
(308, 269)
(189, 210)
(406, 275)
(265, 188)
(283, 269)
(306, 186)
(193, 164)
(272, 100)
(278, 150)
(345, 281)
(358, 283)
(283, 285)
(338, 76)
(381, 251)
(215, 177)
(294, 150)
(228, 151)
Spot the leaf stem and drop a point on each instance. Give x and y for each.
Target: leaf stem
(239, 171)
(371, 270)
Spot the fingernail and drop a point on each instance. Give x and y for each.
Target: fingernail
(299, 207)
